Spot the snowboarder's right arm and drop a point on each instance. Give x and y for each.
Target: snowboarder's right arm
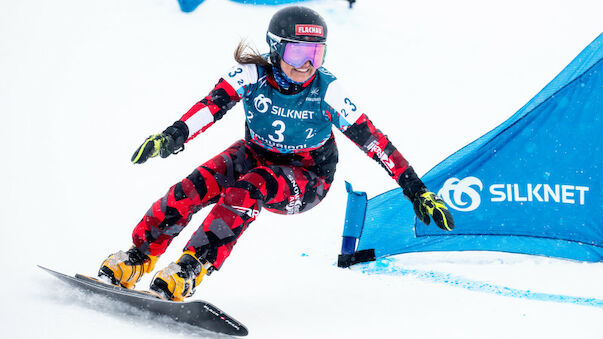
(235, 84)
(356, 125)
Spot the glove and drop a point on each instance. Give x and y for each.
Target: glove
(427, 204)
(170, 141)
(158, 144)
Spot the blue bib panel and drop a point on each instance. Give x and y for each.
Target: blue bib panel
(288, 123)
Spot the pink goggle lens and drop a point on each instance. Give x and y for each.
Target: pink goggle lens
(296, 54)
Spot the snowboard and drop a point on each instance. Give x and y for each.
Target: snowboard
(197, 313)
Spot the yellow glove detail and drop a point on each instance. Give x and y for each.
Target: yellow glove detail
(158, 144)
(428, 205)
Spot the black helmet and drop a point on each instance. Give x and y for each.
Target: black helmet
(294, 24)
(298, 23)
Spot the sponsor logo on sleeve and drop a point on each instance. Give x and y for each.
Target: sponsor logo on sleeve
(383, 157)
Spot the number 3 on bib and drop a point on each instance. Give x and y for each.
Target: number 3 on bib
(280, 128)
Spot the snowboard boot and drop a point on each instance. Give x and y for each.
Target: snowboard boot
(126, 268)
(179, 280)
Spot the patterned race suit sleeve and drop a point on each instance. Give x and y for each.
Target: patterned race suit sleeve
(229, 90)
(354, 124)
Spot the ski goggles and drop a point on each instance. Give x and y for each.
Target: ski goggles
(296, 53)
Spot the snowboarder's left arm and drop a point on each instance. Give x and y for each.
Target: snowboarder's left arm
(349, 118)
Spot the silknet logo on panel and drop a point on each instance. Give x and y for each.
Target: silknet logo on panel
(466, 194)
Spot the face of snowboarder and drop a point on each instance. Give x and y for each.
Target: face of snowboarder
(298, 74)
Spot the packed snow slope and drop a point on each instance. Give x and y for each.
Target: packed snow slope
(83, 82)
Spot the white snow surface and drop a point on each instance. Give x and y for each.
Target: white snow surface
(83, 82)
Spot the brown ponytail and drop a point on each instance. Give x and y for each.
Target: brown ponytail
(243, 56)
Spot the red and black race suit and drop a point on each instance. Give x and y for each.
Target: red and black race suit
(248, 177)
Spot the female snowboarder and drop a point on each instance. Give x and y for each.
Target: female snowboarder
(285, 164)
